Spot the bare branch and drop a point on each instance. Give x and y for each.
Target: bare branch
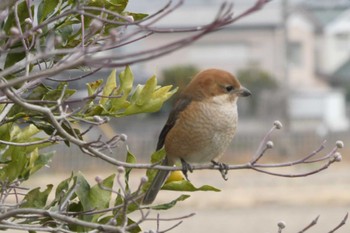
(312, 223)
(23, 212)
(342, 223)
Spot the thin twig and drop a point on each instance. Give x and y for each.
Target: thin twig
(311, 224)
(342, 223)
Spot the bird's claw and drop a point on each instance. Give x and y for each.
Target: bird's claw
(185, 168)
(223, 168)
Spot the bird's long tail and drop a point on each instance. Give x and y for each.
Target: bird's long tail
(156, 184)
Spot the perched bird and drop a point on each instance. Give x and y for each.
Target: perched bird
(201, 125)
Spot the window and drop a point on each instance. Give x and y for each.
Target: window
(343, 41)
(295, 57)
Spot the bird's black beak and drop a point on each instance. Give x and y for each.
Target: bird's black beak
(244, 92)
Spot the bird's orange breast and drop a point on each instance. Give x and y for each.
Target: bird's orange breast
(203, 130)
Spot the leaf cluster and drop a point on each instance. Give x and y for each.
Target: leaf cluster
(60, 26)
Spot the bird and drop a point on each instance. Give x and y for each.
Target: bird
(200, 126)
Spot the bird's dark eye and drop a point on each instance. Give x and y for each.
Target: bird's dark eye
(229, 88)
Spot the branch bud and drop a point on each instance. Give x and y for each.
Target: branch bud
(337, 157)
(28, 21)
(144, 180)
(269, 144)
(113, 222)
(113, 32)
(98, 179)
(14, 31)
(130, 18)
(39, 31)
(123, 137)
(278, 124)
(96, 24)
(120, 169)
(281, 224)
(339, 144)
(58, 40)
(98, 119)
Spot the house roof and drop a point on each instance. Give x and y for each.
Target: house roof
(322, 12)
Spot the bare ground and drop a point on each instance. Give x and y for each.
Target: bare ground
(251, 202)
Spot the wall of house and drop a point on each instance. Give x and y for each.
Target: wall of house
(318, 109)
(230, 49)
(301, 52)
(336, 45)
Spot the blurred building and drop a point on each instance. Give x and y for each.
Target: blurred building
(318, 50)
(315, 46)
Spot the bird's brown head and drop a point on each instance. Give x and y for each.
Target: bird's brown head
(215, 82)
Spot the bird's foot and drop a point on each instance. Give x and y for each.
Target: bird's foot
(223, 168)
(185, 168)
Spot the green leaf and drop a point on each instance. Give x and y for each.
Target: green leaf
(136, 93)
(46, 7)
(55, 94)
(110, 86)
(171, 204)
(38, 92)
(44, 126)
(126, 79)
(23, 13)
(112, 5)
(101, 198)
(62, 190)
(65, 31)
(136, 228)
(130, 158)
(94, 110)
(5, 134)
(25, 134)
(13, 57)
(131, 207)
(37, 199)
(157, 156)
(93, 197)
(149, 98)
(147, 91)
(15, 167)
(41, 161)
(184, 185)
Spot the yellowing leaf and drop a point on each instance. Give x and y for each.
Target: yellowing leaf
(93, 86)
(147, 91)
(136, 93)
(126, 79)
(111, 85)
(160, 92)
(175, 176)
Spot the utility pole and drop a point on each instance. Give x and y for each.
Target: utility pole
(285, 81)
